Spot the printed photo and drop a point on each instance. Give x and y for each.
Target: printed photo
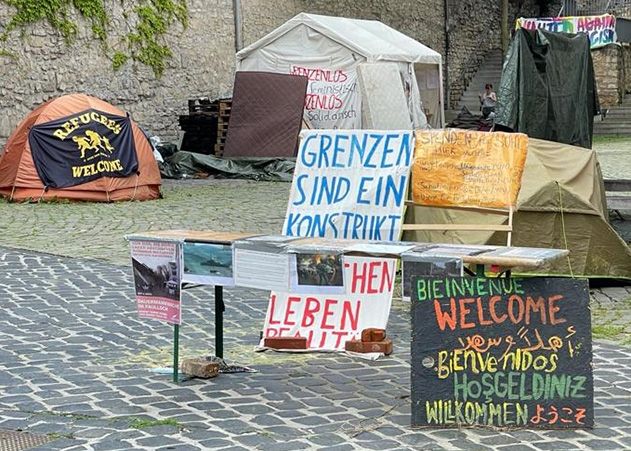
(320, 270)
(160, 279)
(202, 259)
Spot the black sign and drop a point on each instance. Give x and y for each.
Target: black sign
(415, 264)
(513, 353)
(83, 147)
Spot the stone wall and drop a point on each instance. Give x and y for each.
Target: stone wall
(609, 72)
(626, 57)
(203, 64)
(475, 30)
(46, 67)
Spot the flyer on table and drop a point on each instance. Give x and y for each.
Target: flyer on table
(157, 278)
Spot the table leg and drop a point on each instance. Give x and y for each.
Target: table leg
(219, 309)
(176, 352)
(479, 271)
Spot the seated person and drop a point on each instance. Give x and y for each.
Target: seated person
(488, 100)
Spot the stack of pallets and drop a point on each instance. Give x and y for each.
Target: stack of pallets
(224, 107)
(199, 126)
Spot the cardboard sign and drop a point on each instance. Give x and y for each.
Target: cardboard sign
(601, 30)
(329, 320)
(350, 184)
(513, 353)
(463, 168)
(157, 276)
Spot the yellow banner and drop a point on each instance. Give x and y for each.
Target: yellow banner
(462, 168)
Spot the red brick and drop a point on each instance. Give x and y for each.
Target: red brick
(285, 342)
(384, 346)
(373, 334)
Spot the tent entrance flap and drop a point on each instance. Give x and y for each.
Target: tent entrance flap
(428, 78)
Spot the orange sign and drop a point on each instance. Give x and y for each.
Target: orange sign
(463, 168)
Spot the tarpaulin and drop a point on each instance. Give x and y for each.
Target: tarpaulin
(548, 89)
(83, 147)
(182, 164)
(266, 115)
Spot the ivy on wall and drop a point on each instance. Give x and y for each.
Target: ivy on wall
(148, 22)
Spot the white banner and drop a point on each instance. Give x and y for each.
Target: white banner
(350, 184)
(332, 99)
(327, 321)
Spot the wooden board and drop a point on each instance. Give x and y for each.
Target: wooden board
(193, 236)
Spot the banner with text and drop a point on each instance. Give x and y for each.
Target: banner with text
(332, 99)
(157, 276)
(464, 168)
(329, 320)
(350, 185)
(601, 30)
(511, 353)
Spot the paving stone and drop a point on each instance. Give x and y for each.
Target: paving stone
(327, 439)
(84, 312)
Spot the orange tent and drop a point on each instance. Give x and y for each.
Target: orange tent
(81, 148)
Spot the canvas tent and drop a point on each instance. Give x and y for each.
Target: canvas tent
(561, 205)
(544, 96)
(329, 50)
(81, 148)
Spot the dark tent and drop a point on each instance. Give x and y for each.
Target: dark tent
(548, 89)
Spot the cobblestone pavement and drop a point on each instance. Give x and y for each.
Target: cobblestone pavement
(75, 363)
(96, 230)
(614, 155)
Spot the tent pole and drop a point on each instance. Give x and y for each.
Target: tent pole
(442, 96)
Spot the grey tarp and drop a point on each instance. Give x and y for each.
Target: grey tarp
(548, 89)
(183, 164)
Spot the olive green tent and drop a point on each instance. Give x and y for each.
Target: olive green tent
(561, 205)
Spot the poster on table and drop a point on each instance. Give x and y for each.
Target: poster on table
(157, 279)
(601, 30)
(465, 168)
(327, 320)
(501, 353)
(207, 263)
(349, 185)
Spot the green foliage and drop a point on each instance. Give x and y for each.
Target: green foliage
(144, 43)
(119, 59)
(154, 19)
(139, 423)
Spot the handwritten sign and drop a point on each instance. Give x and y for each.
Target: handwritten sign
(501, 353)
(601, 30)
(329, 320)
(468, 168)
(332, 99)
(157, 279)
(350, 185)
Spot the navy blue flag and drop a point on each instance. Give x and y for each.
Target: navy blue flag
(83, 147)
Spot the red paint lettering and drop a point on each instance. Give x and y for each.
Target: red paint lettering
(289, 311)
(311, 308)
(328, 303)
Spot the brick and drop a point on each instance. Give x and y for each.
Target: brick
(286, 342)
(199, 367)
(373, 334)
(384, 346)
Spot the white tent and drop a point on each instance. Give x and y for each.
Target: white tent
(329, 50)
